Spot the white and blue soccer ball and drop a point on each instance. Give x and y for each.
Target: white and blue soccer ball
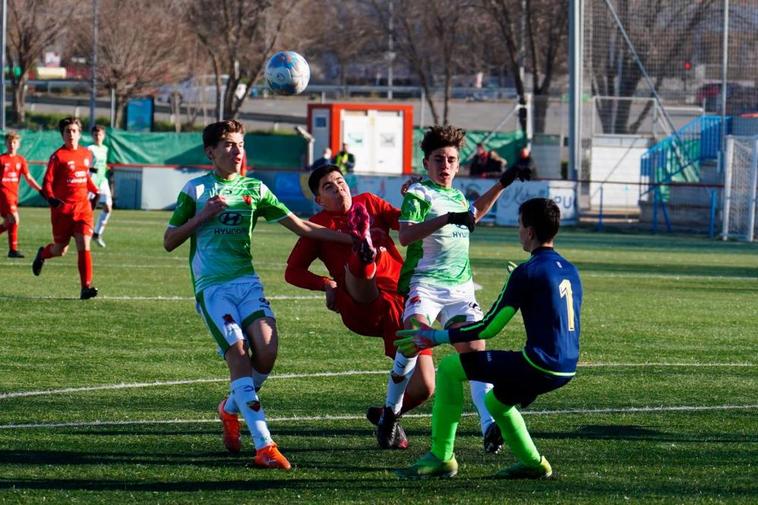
(287, 73)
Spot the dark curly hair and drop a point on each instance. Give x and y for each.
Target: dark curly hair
(544, 215)
(216, 131)
(442, 136)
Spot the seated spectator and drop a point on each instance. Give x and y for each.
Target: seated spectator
(325, 159)
(486, 163)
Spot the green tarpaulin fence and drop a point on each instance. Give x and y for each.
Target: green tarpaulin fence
(265, 152)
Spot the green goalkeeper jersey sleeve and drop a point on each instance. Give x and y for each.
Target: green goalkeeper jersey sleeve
(441, 258)
(221, 248)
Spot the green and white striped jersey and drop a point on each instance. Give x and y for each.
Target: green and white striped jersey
(220, 249)
(99, 163)
(441, 258)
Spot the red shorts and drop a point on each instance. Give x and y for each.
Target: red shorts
(380, 318)
(70, 219)
(8, 204)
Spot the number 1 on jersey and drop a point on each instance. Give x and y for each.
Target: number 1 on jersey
(564, 288)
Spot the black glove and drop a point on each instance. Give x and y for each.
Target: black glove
(53, 202)
(524, 173)
(510, 174)
(463, 218)
(93, 201)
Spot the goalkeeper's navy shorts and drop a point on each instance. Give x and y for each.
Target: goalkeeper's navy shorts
(515, 381)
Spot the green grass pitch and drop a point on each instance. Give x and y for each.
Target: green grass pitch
(113, 400)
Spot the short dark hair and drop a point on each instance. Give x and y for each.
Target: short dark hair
(442, 136)
(97, 128)
(66, 121)
(315, 178)
(217, 131)
(543, 215)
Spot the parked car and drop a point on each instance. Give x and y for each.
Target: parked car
(196, 90)
(739, 99)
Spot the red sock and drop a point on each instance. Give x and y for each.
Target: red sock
(85, 268)
(360, 269)
(13, 237)
(47, 252)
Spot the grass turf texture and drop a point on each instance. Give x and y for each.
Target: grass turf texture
(663, 409)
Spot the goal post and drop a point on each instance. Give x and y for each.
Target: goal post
(740, 197)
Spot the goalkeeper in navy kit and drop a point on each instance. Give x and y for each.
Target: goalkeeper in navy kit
(548, 291)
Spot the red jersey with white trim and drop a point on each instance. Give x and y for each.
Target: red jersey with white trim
(335, 256)
(67, 176)
(13, 166)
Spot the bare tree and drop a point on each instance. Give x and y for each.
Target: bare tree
(431, 37)
(342, 31)
(132, 61)
(649, 24)
(533, 33)
(238, 36)
(33, 25)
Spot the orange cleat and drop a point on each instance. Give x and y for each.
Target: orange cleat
(231, 429)
(270, 457)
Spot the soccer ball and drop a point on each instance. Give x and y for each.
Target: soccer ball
(287, 73)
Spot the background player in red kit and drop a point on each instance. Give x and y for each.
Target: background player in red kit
(12, 167)
(67, 187)
(362, 286)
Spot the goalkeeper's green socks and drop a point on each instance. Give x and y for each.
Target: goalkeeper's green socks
(448, 405)
(513, 429)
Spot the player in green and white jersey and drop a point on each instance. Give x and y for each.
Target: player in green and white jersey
(99, 174)
(435, 223)
(217, 213)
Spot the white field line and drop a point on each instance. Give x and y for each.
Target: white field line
(137, 385)
(352, 417)
(154, 298)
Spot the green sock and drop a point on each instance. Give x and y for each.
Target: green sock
(448, 405)
(513, 429)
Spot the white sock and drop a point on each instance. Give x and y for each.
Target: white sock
(102, 220)
(250, 407)
(230, 407)
(401, 373)
(259, 379)
(478, 392)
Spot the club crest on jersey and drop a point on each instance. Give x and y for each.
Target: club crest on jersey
(247, 199)
(414, 300)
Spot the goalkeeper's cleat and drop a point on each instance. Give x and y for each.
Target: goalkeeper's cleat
(13, 253)
(88, 292)
(231, 426)
(270, 457)
(523, 471)
(359, 224)
(38, 262)
(429, 466)
(493, 439)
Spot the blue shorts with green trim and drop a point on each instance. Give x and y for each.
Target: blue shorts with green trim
(227, 309)
(514, 381)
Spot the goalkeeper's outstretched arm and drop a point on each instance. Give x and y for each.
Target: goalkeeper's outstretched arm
(493, 322)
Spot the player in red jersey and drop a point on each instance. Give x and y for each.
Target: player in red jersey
(71, 194)
(362, 286)
(12, 167)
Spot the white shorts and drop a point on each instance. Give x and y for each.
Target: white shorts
(105, 193)
(447, 305)
(228, 309)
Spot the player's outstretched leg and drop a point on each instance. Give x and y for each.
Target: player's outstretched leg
(531, 465)
(231, 426)
(359, 224)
